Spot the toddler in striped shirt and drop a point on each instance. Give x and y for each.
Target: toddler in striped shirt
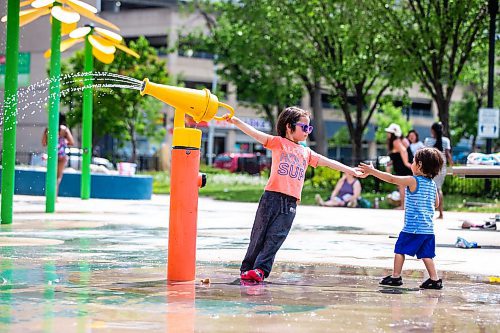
(417, 237)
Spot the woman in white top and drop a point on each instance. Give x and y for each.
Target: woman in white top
(415, 143)
(442, 144)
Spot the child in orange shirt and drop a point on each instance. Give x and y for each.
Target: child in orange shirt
(277, 205)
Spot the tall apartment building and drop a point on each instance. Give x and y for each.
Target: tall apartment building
(161, 22)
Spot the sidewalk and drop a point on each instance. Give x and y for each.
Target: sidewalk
(358, 237)
(100, 266)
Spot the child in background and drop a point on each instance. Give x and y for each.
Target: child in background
(417, 237)
(277, 205)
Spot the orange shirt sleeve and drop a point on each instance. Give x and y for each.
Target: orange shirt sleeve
(273, 142)
(313, 158)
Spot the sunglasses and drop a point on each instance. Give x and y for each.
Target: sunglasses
(306, 128)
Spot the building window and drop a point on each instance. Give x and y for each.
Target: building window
(419, 107)
(119, 5)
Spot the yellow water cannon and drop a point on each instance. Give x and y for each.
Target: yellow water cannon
(185, 179)
(199, 104)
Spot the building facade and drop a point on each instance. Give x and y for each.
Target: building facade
(161, 22)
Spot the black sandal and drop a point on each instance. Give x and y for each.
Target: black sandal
(432, 284)
(391, 281)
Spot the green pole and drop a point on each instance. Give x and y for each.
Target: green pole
(87, 122)
(10, 104)
(53, 128)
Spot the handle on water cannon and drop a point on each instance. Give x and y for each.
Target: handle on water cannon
(227, 107)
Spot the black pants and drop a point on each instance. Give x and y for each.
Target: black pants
(273, 221)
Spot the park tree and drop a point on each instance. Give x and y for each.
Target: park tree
(389, 114)
(438, 38)
(464, 114)
(246, 56)
(356, 63)
(121, 113)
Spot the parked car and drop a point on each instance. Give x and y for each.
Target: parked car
(74, 159)
(242, 162)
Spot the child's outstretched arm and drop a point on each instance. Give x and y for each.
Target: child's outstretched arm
(387, 177)
(247, 129)
(332, 164)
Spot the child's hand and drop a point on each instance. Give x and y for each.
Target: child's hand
(359, 173)
(366, 169)
(227, 117)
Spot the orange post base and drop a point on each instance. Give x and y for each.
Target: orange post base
(184, 187)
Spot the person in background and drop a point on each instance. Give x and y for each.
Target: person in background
(398, 153)
(415, 143)
(345, 194)
(65, 140)
(442, 144)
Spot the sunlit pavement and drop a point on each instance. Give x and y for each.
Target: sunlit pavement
(100, 265)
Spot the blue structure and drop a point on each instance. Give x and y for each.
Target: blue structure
(32, 182)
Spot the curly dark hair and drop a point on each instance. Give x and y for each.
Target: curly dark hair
(290, 115)
(429, 161)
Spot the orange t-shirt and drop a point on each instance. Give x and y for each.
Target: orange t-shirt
(289, 164)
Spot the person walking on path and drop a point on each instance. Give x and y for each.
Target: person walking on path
(442, 144)
(277, 206)
(65, 139)
(398, 154)
(417, 237)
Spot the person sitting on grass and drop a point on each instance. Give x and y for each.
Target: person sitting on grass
(345, 194)
(417, 237)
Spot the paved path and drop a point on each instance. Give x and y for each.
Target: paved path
(99, 265)
(359, 237)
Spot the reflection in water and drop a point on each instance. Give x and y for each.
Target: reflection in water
(113, 279)
(6, 268)
(83, 290)
(181, 310)
(50, 279)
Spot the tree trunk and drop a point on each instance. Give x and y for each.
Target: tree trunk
(268, 110)
(318, 120)
(133, 141)
(443, 106)
(357, 147)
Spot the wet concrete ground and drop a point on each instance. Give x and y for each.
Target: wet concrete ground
(100, 266)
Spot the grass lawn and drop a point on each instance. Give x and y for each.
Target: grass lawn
(245, 188)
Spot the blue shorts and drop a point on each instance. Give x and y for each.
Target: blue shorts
(421, 245)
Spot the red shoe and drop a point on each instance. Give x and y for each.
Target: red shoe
(245, 276)
(256, 275)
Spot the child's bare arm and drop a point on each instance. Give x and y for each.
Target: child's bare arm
(387, 177)
(247, 129)
(437, 198)
(324, 161)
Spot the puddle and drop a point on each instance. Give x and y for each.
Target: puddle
(112, 278)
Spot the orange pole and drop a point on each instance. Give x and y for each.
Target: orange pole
(184, 187)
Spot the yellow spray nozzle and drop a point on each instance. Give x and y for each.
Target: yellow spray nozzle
(199, 104)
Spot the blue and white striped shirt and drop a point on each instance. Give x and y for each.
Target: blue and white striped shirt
(419, 207)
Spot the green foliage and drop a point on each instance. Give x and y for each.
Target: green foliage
(324, 177)
(122, 113)
(258, 63)
(390, 114)
(341, 137)
(464, 114)
(437, 39)
(467, 186)
(463, 119)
